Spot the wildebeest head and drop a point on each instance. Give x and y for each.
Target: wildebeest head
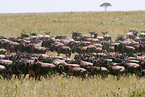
(24, 35)
(33, 34)
(104, 33)
(92, 33)
(47, 33)
(52, 48)
(76, 34)
(120, 37)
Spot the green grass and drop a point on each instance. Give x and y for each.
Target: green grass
(11, 25)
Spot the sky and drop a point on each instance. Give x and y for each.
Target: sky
(37, 6)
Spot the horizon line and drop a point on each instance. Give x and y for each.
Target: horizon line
(67, 12)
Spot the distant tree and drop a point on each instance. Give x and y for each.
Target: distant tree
(105, 5)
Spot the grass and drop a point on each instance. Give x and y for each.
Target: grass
(66, 23)
(74, 87)
(11, 25)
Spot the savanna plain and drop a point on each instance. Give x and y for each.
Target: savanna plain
(11, 25)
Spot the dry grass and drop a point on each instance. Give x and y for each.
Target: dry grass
(64, 24)
(74, 87)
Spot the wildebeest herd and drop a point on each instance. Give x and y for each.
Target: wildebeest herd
(95, 55)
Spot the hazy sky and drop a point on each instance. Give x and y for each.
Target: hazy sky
(27, 6)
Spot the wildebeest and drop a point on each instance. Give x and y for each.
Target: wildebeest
(62, 49)
(132, 34)
(3, 51)
(77, 72)
(4, 72)
(106, 37)
(94, 55)
(116, 70)
(48, 43)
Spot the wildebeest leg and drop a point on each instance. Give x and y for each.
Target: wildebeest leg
(64, 74)
(50, 73)
(24, 75)
(4, 76)
(103, 76)
(66, 55)
(58, 54)
(45, 75)
(60, 69)
(97, 75)
(31, 76)
(83, 76)
(118, 76)
(17, 76)
(37, 77)
(138, 75)
(7, 76)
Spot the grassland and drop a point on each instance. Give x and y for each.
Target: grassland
(11, 25)
(66, 23)
(74, 87)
